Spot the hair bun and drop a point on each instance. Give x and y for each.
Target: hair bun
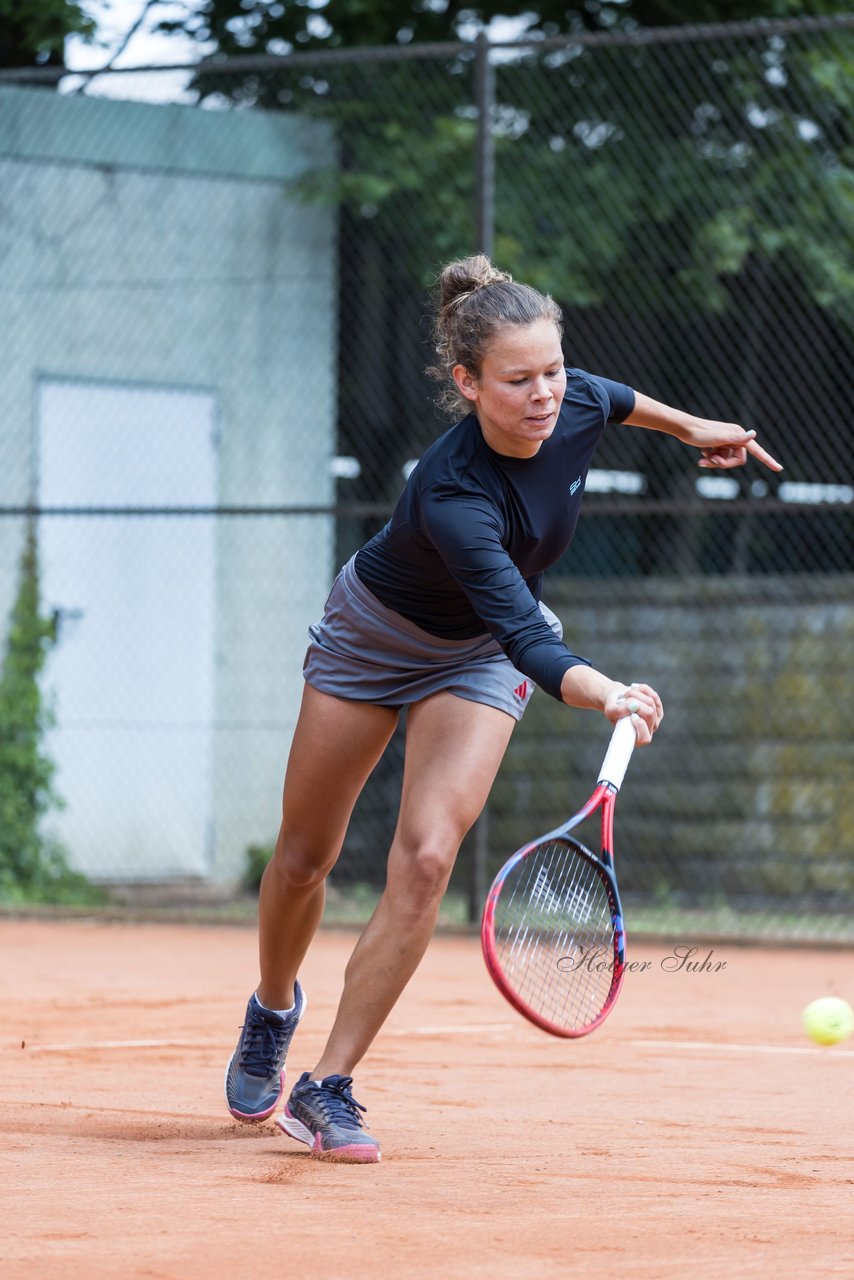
(465, 276)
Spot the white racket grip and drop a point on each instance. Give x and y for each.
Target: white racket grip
(619, 753)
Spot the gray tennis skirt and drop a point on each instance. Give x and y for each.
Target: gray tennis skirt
(365, 652)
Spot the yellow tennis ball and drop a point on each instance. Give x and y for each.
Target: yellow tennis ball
(828, 1020)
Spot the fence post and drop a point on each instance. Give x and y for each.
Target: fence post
(484, 222)
(484, 159)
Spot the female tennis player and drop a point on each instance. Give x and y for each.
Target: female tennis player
(440, 613)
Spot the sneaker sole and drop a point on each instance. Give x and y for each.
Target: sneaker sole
(357, 1153)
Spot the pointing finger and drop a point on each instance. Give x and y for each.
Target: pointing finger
(758, 452)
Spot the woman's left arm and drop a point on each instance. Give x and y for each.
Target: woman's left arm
(722, 444)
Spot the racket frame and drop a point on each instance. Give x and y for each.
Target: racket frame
(603, 797)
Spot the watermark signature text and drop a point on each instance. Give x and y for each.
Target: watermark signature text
(681, 959)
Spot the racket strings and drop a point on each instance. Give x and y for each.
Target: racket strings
(554, 935)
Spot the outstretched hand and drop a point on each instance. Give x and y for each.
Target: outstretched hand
(725, 445)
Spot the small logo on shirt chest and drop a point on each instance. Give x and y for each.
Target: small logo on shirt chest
(575, 485)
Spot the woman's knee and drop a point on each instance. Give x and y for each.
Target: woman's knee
(419, 870)
(299, 864)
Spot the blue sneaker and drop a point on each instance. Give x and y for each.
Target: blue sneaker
(325, 1116)
(255, 1075)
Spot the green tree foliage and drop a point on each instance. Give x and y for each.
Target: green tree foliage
(33, 32)
(651, 186)
(690, 197)
(278, 26)
(636, 138)
(709, 161)
(33, 866)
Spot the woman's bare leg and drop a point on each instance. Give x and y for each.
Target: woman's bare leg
(336, 745)
(453, 751)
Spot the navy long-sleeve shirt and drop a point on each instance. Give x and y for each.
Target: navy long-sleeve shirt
(474, 530)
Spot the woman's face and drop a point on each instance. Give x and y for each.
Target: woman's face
(520, 388)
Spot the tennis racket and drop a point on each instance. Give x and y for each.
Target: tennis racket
(552, 931)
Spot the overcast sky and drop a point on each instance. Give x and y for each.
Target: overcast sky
(114, 19)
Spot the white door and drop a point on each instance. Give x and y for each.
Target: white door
(132, 678)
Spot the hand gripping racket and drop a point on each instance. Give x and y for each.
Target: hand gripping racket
(552, 930)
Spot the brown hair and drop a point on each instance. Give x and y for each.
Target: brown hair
(474, 301)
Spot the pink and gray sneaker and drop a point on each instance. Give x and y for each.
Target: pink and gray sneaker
(255, 1075)
(325, 1116)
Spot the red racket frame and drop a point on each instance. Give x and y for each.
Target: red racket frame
(603, 797)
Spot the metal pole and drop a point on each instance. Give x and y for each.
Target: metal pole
(484, 161)
(484, 221)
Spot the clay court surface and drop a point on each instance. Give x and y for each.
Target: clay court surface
(697, 1133)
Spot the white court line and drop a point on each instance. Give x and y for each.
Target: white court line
(459, 1029)
(711, 1047)
(90, 1045)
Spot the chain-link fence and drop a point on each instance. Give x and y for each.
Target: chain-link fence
(215, 325)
